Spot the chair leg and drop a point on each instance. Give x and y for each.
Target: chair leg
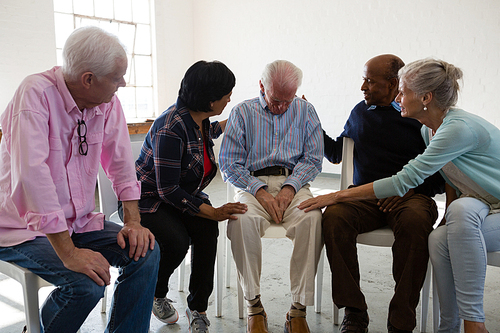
(182, 271)
(218, 275)
(424, 308)
(435, 305)
(318, 282)
(240, 301)
(104, 300)
(30, 294)
(335, 316)
(229, 260)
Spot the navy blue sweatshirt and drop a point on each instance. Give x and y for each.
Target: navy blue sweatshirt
(383, 143)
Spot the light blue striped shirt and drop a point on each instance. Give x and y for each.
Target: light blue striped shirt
(255, 139)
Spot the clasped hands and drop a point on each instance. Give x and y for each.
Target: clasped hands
(276, 206)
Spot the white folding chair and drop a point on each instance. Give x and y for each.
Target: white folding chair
(381, 237)
(274, 231)
(108, 206)
(31, 283)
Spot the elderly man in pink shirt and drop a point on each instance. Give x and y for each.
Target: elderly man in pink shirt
(56, 130)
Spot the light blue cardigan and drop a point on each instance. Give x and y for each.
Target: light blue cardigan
(469, 141)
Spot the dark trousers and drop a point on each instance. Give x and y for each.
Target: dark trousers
(174, 232)
(411, 221)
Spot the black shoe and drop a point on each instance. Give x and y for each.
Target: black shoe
(355, 322)
(392, 329)
(25, 329)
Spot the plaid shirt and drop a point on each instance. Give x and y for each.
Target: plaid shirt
(170, 166)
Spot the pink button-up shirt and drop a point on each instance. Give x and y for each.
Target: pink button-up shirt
(46, 186)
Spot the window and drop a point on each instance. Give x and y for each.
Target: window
(130, 20)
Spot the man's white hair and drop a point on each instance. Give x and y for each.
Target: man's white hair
(281, 75)
(91, 49)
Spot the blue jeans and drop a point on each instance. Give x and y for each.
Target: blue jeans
(67, 307)
(458, 253)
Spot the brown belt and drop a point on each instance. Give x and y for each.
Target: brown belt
(272, 171)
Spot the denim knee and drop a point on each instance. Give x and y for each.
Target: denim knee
(438, 243)
(465, 210)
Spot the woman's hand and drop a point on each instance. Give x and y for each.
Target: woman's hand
(318, 202)
(358, 193)
(226, 211)
(222, 213)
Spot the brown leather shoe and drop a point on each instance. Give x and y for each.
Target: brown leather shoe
(296, 325)
(257, 323)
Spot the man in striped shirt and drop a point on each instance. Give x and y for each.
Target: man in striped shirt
(271, 150)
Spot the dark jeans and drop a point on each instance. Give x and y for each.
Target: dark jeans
(67, 306)
(411, 222)
(174, 232)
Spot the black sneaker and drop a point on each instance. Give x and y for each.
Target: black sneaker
(392, 329)
(355, 322)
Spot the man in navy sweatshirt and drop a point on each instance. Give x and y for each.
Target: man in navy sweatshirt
(383, 143)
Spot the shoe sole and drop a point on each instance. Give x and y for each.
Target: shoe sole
(168, 320)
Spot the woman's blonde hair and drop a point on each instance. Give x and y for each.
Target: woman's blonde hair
(435, 76)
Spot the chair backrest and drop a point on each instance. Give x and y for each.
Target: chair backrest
(347, 168)
(379, 237)
(108, 203)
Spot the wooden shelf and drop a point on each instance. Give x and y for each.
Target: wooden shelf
(139, 128)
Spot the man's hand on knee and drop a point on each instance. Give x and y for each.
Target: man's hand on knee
(270, 204)
(140, 239)
(284, 198)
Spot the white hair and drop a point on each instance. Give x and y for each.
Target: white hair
(281, 74)
(91, 49)
(436, 76)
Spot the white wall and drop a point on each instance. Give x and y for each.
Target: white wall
(329, 39)
(175, 47)
(27, 42)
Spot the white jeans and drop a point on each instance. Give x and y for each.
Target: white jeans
(304, 229)
(458, 254)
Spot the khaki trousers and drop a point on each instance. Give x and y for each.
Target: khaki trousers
(304, 229)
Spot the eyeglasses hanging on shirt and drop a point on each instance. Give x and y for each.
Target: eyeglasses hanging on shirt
(82, 137)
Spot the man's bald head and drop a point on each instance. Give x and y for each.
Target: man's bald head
(380, 84)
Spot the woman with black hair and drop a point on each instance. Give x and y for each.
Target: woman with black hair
(176, 163)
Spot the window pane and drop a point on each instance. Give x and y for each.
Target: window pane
(123, 10)
(141, 11)
(63, 6)
(104, 8)
(143, 40)
(84, 7)
(143, 70)
(144, 102)
(64, 27)
(126, 34)
(127, 98)
(109, 26)
(130, 75)
(84, 21)
(59, 57)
